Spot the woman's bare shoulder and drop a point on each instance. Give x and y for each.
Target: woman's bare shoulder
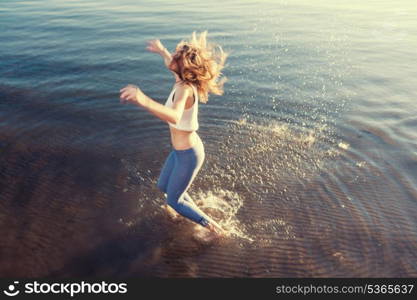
(183, 86)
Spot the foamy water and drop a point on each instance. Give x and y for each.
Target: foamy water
(224, 206)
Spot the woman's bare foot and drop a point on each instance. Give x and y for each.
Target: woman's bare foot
(216, 229)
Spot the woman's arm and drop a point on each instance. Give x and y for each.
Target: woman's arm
(157, 47)
(162, 112)
(134, 94)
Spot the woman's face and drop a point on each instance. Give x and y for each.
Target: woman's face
(174, 65)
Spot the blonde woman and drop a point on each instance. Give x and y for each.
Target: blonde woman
(196, 67)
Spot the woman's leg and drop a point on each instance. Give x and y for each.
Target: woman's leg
(188, 198)
(165, 173)
(187, 164)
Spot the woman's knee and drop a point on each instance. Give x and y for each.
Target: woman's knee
(175, 206)
(172, 201)
(175, 202)
(161, 186)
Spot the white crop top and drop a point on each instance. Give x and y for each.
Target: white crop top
(189, 118)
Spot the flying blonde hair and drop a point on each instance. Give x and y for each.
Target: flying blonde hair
(200, 63)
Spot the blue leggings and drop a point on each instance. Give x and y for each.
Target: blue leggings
(177, 174)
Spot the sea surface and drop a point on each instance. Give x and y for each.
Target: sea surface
(311, 153)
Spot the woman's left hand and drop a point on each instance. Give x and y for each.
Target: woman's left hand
(131, 93)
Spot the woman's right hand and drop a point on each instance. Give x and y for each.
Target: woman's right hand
(155, 46)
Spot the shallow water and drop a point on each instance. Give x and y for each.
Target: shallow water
(311, 157)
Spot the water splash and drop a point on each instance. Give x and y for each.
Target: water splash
(276, 148)
(269, 230)
(223, 206)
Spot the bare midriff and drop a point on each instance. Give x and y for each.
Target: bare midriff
(182, 140)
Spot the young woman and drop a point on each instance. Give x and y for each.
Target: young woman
(196, 67)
